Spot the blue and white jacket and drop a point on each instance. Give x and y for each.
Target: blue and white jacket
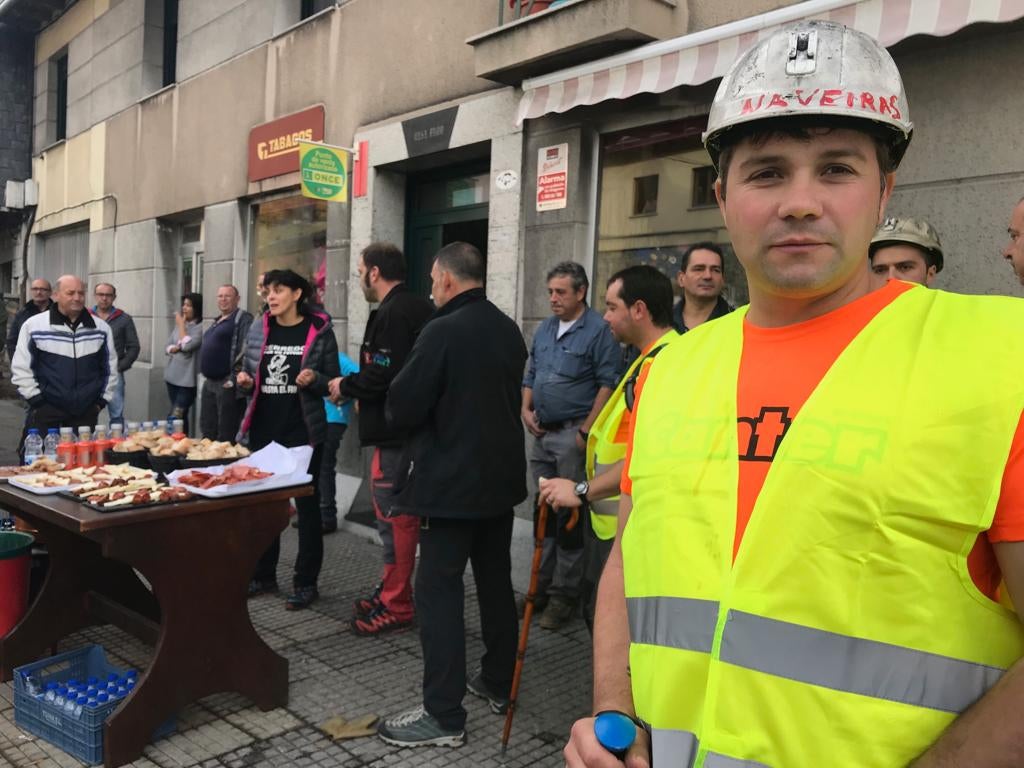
(70, 370)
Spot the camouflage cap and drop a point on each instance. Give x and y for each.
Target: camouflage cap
(911, 231)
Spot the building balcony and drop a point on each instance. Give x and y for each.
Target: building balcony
(533, 38)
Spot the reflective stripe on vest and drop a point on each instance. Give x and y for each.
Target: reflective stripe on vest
(849, 630)
(605, 507)
(810, 655)
(680, 749)
(602, 450)
(715, 760)
(673, 748)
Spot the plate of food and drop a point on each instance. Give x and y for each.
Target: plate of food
(119, 494)
(48, 483)
(39, 466)
(271, 467)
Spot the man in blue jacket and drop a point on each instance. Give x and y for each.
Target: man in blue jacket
(65, 363)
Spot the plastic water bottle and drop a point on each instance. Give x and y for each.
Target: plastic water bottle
(80, 703)
(69, 705)
(50, 443)
(33, 446)
(61, 697)
(101, 699)
(50, 693)
(32, 686)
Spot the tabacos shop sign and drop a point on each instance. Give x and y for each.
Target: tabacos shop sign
(274, 146)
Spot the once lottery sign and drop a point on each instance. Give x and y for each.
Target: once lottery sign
(324, 171)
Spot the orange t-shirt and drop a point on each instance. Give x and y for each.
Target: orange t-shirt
(779, 369)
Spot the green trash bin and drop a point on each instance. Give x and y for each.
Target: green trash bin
(15, 564)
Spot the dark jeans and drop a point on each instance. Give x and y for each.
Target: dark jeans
(181, 400)
(445, 546)
(221, 413)
(311, 536)
(328, 481)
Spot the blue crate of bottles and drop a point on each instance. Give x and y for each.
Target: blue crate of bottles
(95, 688)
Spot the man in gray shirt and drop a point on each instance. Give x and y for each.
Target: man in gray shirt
(574, 366)
(126, 343)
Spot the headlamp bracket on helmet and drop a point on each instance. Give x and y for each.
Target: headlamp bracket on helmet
(803, 47)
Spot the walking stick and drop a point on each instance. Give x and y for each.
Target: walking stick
(524, 633)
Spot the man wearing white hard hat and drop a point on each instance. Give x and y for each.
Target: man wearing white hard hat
(800, 577)
(905, 249)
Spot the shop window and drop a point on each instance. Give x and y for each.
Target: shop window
(450, 194)
(290, 233)
(60, 71)
(704, 187)
(645, 195)
(647, 213)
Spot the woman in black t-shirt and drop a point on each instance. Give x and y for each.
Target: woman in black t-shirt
(290, 356)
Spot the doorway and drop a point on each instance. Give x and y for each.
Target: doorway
(444, 206)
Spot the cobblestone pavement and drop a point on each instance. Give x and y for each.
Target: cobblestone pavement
(334, 672)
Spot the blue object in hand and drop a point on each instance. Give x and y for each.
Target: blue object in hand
(616, 732)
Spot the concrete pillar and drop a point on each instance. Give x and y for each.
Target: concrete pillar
(504, 267)
(561, 235)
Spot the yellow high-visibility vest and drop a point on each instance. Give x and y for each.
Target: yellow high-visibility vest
(848, 631)
(603, 451)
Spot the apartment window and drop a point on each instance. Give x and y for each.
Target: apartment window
(170, 40)
(645, 195)
(309, 8)
(61, 78)
(704, 187)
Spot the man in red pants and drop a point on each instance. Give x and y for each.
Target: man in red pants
(390, 332)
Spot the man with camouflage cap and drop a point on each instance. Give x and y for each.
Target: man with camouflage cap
(905, 249)
(790, 584)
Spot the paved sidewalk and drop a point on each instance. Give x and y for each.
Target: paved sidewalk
(334, 672)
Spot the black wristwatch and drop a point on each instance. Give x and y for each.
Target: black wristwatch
(582, 489)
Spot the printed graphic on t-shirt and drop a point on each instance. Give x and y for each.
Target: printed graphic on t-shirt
(761, 436)
(282, 368)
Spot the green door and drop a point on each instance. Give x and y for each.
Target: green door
(444, 206)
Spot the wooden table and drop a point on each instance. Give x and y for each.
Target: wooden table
(198, 556)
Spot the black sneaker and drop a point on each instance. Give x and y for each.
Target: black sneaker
(261, 587)
(477, 686)
(329, 526)
(303, 598)
(418, 728)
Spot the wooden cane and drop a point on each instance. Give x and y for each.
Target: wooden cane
(524, 633)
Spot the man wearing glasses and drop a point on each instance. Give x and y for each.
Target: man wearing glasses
(39, 301)
(126, 343)
(1014, 250)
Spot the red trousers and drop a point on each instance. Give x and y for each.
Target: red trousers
(399, 533)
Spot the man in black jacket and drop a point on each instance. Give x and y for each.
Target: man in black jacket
(459, 397)
(40, 301)
(390, 332)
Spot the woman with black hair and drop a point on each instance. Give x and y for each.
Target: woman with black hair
(182, 353)
(290, 356)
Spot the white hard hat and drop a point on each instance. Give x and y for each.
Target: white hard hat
(812, 68)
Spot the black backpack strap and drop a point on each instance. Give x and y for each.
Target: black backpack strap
(629, 388)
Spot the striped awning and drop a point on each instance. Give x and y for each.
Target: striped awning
(697, 58)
